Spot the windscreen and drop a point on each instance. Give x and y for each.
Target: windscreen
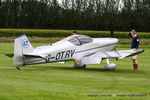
(80, 40)
(75, 41)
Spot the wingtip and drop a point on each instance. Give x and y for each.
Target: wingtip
(142, 50)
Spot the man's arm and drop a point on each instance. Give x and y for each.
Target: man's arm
(130, 35)
(137, 43)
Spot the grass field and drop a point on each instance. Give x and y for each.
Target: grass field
(63, 82)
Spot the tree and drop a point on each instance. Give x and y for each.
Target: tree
(76, 14)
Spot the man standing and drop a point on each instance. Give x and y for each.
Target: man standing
(134, 45)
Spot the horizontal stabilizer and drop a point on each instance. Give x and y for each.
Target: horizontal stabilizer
(10, 55)
(32, 56)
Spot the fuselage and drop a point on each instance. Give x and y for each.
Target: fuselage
(74, 48)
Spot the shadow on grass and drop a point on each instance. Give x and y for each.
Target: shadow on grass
(40, 68)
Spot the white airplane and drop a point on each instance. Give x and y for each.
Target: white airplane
(81, 49)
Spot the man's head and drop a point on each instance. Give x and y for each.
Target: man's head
(74, 33)
(133, 32)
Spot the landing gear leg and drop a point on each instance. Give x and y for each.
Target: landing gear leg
(109, 66)
(107, 61)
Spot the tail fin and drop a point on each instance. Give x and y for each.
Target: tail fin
(22, 45)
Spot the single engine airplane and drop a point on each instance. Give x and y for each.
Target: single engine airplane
(81, 49)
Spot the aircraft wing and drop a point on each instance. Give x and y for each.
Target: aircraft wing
(120, 54)
(96, 58)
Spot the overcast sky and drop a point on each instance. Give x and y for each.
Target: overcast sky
(59, 1)
(120, 4)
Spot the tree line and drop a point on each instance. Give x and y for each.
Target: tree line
(120, 15)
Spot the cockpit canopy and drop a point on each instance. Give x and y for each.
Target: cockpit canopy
(80, 40)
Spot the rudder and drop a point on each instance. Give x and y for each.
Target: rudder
(22, 45)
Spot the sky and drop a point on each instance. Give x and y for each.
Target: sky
(120, 4)
(59, 1)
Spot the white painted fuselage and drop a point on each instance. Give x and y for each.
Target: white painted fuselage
(65, 50)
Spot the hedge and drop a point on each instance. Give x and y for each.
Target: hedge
(64, 33)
